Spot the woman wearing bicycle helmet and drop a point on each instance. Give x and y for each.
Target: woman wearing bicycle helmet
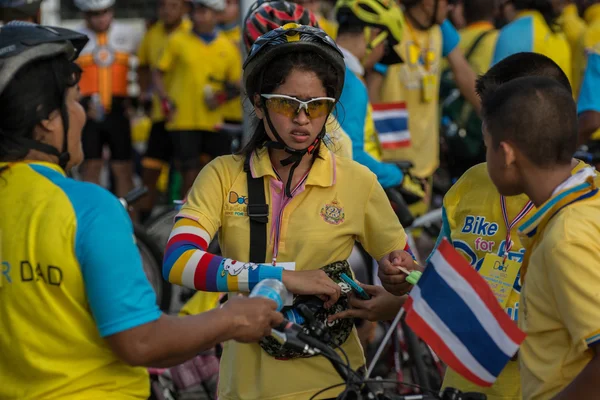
(291, 206)
(263, 17)
(78, 315)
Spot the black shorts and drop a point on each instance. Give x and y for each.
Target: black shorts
(160, 146)
(114, 131)
(189, 145)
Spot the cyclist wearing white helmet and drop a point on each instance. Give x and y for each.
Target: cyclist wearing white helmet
(20, 10)
(76, 309)
(104, 86)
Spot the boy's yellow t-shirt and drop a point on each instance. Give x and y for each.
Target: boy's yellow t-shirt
(196, 65)
(150, 52)
(473, 222)
(561, 292)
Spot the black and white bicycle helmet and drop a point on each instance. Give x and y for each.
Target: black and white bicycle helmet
(22, 43)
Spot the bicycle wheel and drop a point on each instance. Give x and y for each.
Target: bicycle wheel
(159, 227)
(152, 262)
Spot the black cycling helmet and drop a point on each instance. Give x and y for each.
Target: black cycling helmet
(22, 43)
(276, 43)
(264, 16)
(17, 9)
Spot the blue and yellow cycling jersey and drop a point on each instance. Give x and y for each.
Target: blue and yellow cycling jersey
(529, 32)
(71, 275)
(354, 113)
(589, 98)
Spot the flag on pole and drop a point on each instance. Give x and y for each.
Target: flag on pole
(391, 122)
(454, 311)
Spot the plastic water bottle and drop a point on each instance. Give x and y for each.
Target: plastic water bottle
(271, 289)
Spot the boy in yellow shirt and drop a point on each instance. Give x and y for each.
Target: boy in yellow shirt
(159, 150)
(475, 219)
(202, 62)
(530, 130)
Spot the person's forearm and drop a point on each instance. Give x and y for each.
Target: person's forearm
(187, 263)
(374, 85)
(171, 340)
(159, 86)
(585, 385)
(589, 122)
(465, 78)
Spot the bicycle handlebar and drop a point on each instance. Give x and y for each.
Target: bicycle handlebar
(357, 387)
(133, 196)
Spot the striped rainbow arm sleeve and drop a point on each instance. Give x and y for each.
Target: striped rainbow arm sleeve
(187, 263)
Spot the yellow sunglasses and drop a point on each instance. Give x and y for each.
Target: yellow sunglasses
(291, 106)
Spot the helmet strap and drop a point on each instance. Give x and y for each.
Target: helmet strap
(295, 155)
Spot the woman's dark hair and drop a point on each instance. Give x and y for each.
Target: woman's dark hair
(544, 7)
(275, 74)
(37, 90)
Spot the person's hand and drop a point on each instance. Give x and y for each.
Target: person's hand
(252, 319)
(383, 306)
(314, 282)
(392, 278)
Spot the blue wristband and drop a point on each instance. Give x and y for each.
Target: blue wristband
(381, 68)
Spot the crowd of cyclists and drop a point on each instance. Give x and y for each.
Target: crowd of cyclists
(331, 103)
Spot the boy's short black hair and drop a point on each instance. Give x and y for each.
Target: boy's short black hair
(519, 65)
(479, 10)
(535, 114)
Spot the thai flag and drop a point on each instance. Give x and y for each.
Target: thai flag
(455, 312)
(391, 122)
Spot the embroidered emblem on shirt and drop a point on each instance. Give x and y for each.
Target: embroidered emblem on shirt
(333, 213)
(235, 198)
(236, 205)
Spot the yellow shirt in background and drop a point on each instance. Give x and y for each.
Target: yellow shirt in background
(150, 52)
(481, 58)
(318, 226)
(588, 53)
(404, 83)
(529, 32)
(185, 58)
(330, 27)
(573, 27)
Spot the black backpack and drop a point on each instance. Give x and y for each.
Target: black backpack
(460, 124)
